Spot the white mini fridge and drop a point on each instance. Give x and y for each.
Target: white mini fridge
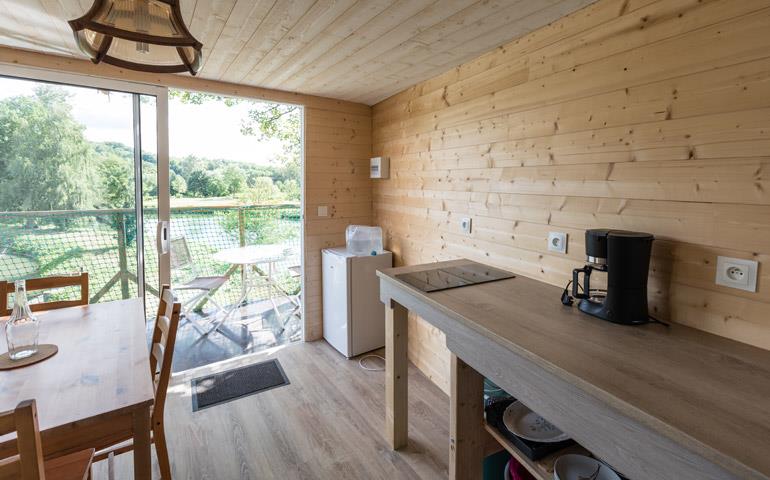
(353, 316)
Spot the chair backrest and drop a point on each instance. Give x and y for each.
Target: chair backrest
(28, 464)
(47, 283)
(162, 350)
(180, 253)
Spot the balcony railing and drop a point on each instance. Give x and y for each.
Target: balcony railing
(104, 244)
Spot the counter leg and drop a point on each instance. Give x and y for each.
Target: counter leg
(466, 431)
(396, 380)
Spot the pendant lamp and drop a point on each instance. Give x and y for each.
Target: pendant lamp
(144, 35)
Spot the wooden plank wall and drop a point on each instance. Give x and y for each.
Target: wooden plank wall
(337, 150)
(649, 115)
(338, 145)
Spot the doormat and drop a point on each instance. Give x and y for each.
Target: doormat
(237, 383)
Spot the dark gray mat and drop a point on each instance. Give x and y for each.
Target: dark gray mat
(236, 383)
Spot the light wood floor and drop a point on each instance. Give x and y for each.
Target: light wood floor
(327, 424)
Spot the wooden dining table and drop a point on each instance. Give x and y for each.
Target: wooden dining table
(96, 391)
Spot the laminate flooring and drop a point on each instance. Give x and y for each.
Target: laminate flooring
(327, 424)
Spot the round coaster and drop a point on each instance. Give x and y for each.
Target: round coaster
(44, 351)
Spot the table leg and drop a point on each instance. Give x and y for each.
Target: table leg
(142, 441)
(396, 380)
(243, 283)
(271, 288)
(466, 431)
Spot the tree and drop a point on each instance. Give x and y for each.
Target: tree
(117, 182)
(266, 121)
(117, 191)
(45, 161)
(291, 189)
(202, 183)
(234, 179)
(264, 191)
(178, 184)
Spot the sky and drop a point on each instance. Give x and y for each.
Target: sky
(210, 130)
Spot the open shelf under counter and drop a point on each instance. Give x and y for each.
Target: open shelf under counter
(655, 401)
(541, 469)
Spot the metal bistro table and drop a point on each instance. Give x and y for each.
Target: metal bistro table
(96, 390)
(248, 258)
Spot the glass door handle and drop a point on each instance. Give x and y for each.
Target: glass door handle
(162, 240)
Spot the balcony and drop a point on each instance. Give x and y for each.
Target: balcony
(104, 244)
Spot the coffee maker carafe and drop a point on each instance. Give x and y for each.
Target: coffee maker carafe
(625, 257)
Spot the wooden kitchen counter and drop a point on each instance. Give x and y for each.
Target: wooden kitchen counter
(653, 401)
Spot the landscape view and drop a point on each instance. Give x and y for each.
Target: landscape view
(67, 201)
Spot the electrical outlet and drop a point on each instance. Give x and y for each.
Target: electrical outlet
(737, 273)
(465, 225)
(557, 242)
(323, 211)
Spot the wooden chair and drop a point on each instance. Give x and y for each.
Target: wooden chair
(28, 464)
(161, 356)
(47, 283)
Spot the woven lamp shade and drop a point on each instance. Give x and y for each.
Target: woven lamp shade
(145, 35)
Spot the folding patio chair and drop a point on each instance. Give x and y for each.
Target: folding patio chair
(295, 298)
(205, 286)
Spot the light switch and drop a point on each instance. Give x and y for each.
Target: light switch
(465, 225)
(323, 211)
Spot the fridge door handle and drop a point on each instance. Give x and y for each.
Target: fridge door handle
(162, 238)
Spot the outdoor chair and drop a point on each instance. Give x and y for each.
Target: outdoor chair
(47, 283)
(295, 298)
(204, 286)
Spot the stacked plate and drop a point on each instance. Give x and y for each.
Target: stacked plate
(526, 424)
(580, 467)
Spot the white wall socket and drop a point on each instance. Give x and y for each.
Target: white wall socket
(323, 211)
(465, 224)
(737, 273)
(557, 242)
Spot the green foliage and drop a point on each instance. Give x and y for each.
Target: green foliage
(264, 226)
(198, 98)
(267, 121)
(234, 179)
(178, 185)
(117, 182)
(47, 164)
(45, 161)
(262, 192)
(204, 183)
(290, 189)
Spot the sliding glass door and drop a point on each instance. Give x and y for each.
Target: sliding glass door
(81, 182)
(86, 185)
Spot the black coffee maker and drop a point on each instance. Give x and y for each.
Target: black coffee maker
(625, 256)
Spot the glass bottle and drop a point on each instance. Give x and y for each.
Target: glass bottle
(22, 328)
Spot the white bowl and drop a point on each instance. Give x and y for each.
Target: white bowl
(572, 467)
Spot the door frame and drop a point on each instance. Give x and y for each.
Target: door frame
(161, 95)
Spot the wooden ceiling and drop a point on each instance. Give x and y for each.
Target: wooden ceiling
(358, 50)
